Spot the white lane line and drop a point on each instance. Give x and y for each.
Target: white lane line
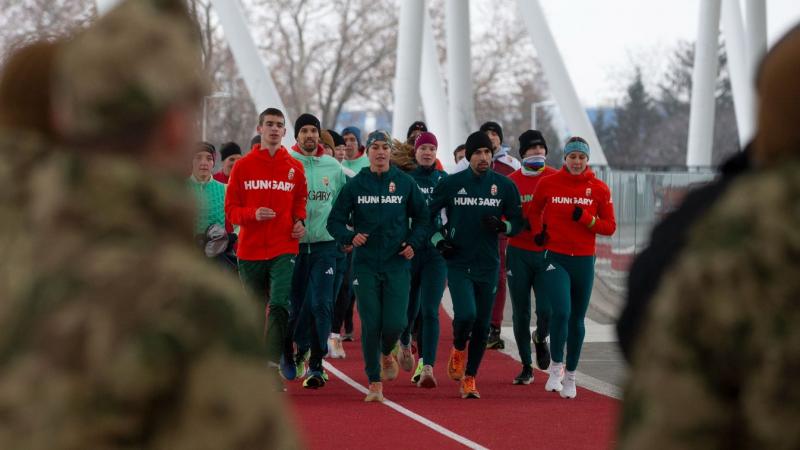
(404, 411)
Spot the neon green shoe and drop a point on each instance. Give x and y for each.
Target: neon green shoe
(417, 372)
(300, 362)
(325, 376)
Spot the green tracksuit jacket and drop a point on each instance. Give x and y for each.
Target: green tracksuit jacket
(467, 198)
(381, 206)
(427, 179)
(325, 179)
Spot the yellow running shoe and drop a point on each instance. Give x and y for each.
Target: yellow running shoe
(417, 372)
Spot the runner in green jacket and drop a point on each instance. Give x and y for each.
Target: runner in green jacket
(428, 275)
(381, 200)
(315, 266)
(476, 201)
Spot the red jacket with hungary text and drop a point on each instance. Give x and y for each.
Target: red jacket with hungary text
(527, 185)
(555, 199)
(276, 182)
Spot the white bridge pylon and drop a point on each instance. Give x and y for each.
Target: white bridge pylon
(450, 113)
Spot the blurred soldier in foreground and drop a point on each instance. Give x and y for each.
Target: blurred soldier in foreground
(714, 366)
(113, 333)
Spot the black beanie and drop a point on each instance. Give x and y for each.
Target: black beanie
(303, 120)
(494, 126)
(477, 140)
(418, 125)
(530, 138)
(337, 138)
(228, 149)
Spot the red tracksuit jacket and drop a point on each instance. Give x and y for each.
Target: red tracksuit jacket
(555, 199)
(276, 182)
(526, 186)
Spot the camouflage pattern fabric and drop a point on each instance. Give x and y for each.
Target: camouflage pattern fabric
(715, 366)
(129, 65)
(114, 332)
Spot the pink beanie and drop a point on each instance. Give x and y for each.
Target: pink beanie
(425, 138)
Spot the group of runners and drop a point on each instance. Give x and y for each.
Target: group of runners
(333, 222)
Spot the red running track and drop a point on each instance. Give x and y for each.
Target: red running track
(506, 416)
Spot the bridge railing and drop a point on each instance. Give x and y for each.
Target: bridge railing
(641, 198)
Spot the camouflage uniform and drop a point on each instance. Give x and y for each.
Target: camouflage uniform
(715, 365)
(113, 332)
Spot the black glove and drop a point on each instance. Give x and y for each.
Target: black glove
(446, 249)
(541, 238)
(577, 213)
(493, 224)
(232, 239)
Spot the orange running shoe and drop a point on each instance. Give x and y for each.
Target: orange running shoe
(375, 393)
(457, 364)
(389, 367)
(468, 389)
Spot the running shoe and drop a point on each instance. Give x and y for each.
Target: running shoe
(389, 368)
(495, 341)
(333, 350)
(348, 337)
(427, 380)
(314, 380)
(569, 390)
(556, 372)
(301, 363)
(340, 348)
(375, 393)
(417, 372)
(288, 369)
(405, 358)
(457, 364)
(468, 389)
(542, 353)
(524, 377)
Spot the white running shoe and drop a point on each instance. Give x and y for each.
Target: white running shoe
(569, 390)
(426, 379)
(406, 359)
(334, 344)
(556, 372)
(331, 347)
(340, 347)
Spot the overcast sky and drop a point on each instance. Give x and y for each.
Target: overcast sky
(599, 39)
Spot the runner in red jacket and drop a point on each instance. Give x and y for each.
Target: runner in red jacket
(525, 261)
(266, 197)
(575, 207)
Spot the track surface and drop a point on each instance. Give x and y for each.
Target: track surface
(506, 416)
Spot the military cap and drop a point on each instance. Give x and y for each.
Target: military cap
(132, 64)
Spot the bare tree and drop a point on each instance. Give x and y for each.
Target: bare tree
(325, 55)
(229, 113)
(27, 20)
